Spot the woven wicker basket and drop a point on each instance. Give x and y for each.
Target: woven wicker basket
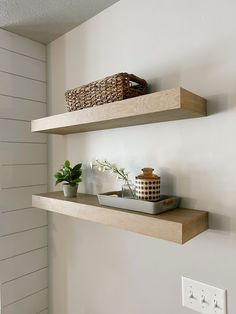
(112, 88)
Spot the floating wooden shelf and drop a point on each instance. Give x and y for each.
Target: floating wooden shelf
(173, 104)
(178, 225)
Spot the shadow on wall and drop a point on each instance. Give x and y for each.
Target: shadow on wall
(197, 79)
(220, 222)
(217, 222)
(215, 103)
(168, 182)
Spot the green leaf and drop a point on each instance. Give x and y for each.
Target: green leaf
(58, 175)
(78, 180)
(76, 174)
(77, 167)
(68, 174)
(67, 164)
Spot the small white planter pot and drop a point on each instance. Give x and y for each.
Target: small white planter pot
(70, 191)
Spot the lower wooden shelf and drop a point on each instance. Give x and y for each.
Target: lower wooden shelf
(178, 225)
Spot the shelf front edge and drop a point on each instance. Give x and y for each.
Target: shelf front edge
(169, 105)
(158, 226)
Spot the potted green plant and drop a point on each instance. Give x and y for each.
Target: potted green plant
(71, 178)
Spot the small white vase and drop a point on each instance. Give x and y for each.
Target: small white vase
(70, 191)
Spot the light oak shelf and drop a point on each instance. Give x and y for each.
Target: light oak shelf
(178, 225)
(173, 104)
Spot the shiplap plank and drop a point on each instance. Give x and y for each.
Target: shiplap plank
(32, 304)
(22, 287)
(22, 242)
(22, 109)
(21, 65)
(23, 158)
(23, 175)
(23, 264)
(22, 153)
(16, 86)
(23, 219)
(19, 131)
(19, 198)
(42, 312)
(22, 45)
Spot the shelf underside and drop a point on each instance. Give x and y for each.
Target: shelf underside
(178, 225)
(169, 105)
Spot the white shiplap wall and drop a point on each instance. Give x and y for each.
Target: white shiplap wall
(23, 172)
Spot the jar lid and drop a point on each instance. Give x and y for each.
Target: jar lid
(147, 174)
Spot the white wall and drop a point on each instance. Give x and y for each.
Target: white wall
(100, 270)
(23, 172)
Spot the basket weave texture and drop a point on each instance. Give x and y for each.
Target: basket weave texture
(112, 88)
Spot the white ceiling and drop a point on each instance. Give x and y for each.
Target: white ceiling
(45, 20)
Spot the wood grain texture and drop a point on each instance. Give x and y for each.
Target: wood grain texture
(173, 104)
(179, 225)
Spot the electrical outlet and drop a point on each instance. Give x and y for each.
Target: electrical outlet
(203, 298)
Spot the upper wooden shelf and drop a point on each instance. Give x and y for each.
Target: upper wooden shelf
(173, 104)
(178, 225)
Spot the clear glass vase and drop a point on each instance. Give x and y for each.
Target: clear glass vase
(128, 190)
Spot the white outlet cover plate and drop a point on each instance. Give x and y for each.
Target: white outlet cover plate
(194, 292)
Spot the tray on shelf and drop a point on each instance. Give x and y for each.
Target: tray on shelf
(114, 199)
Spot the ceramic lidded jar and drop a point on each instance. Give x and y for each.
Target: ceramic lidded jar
(148, 185)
